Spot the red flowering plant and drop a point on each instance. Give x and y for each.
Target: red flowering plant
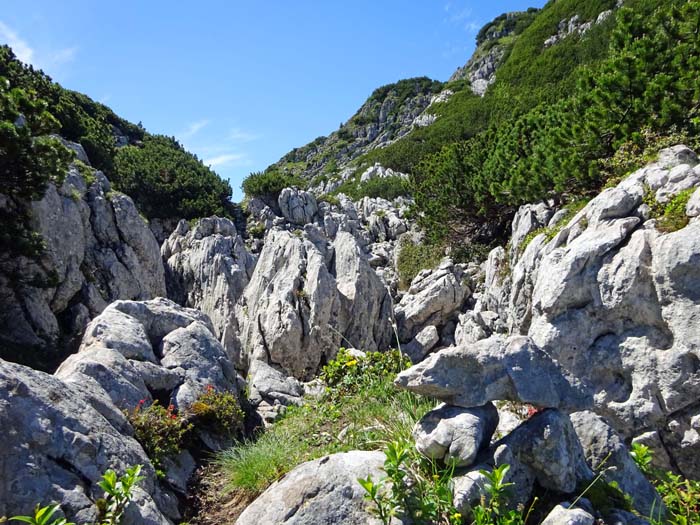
(160, 430)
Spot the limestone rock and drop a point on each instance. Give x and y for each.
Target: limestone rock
(304, 296)
(604, 448)
(434, 298)
(547, 444)
(297, 206)
(56, 447)
(455, 434)
(424, 341)
(319, 492)
(494, 369)
(468, 489)
(271, 385)
(613, 300)
(98, 249)
(208, 268)
(287, 307)
(564, 515)
(692, 209)
(135, 349)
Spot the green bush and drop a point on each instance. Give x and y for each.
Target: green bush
(681, 497)
(166, 181)
(269, 183)
(160, 430)
(416, 257)
(347, 373)
(218, 412)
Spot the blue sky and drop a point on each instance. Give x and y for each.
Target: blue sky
(242, 83)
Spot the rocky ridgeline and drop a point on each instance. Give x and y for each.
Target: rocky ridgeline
(590, 319)
(384, 118)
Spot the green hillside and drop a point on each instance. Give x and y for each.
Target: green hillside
(551, 124)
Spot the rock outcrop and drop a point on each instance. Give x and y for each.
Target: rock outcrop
(613, 299)
(319, 492)
(59, 438)
(98, 249)
(306, 298)
(434, 298)
(208, 267)
(149, 350)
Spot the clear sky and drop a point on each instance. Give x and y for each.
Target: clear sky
(240, 83)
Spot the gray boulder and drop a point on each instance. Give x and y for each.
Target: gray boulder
(57, 446)
(135, 349)
(547, 444)
(434, 298)
(297, 206)
(606, 451)
(455, 435)
(423, 343)
(566, 515)
(494, 369)
(468, 489)
(319, 492)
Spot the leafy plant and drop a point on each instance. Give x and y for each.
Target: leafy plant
(348, 373)
(42, 516)
(217, 411)
(413, 487)
(681, 496)
(118, 494)
(674, 217)
(160, 430)
(642, 456)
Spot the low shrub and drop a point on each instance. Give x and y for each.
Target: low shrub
(416, 257)
(671, 216)
(388, 188)
(218, 412)
(346, 374)
(160, 430)
(674, 217)
(269, 183)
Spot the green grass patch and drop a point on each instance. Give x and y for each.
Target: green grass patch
(360, 410)
(674, 217)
